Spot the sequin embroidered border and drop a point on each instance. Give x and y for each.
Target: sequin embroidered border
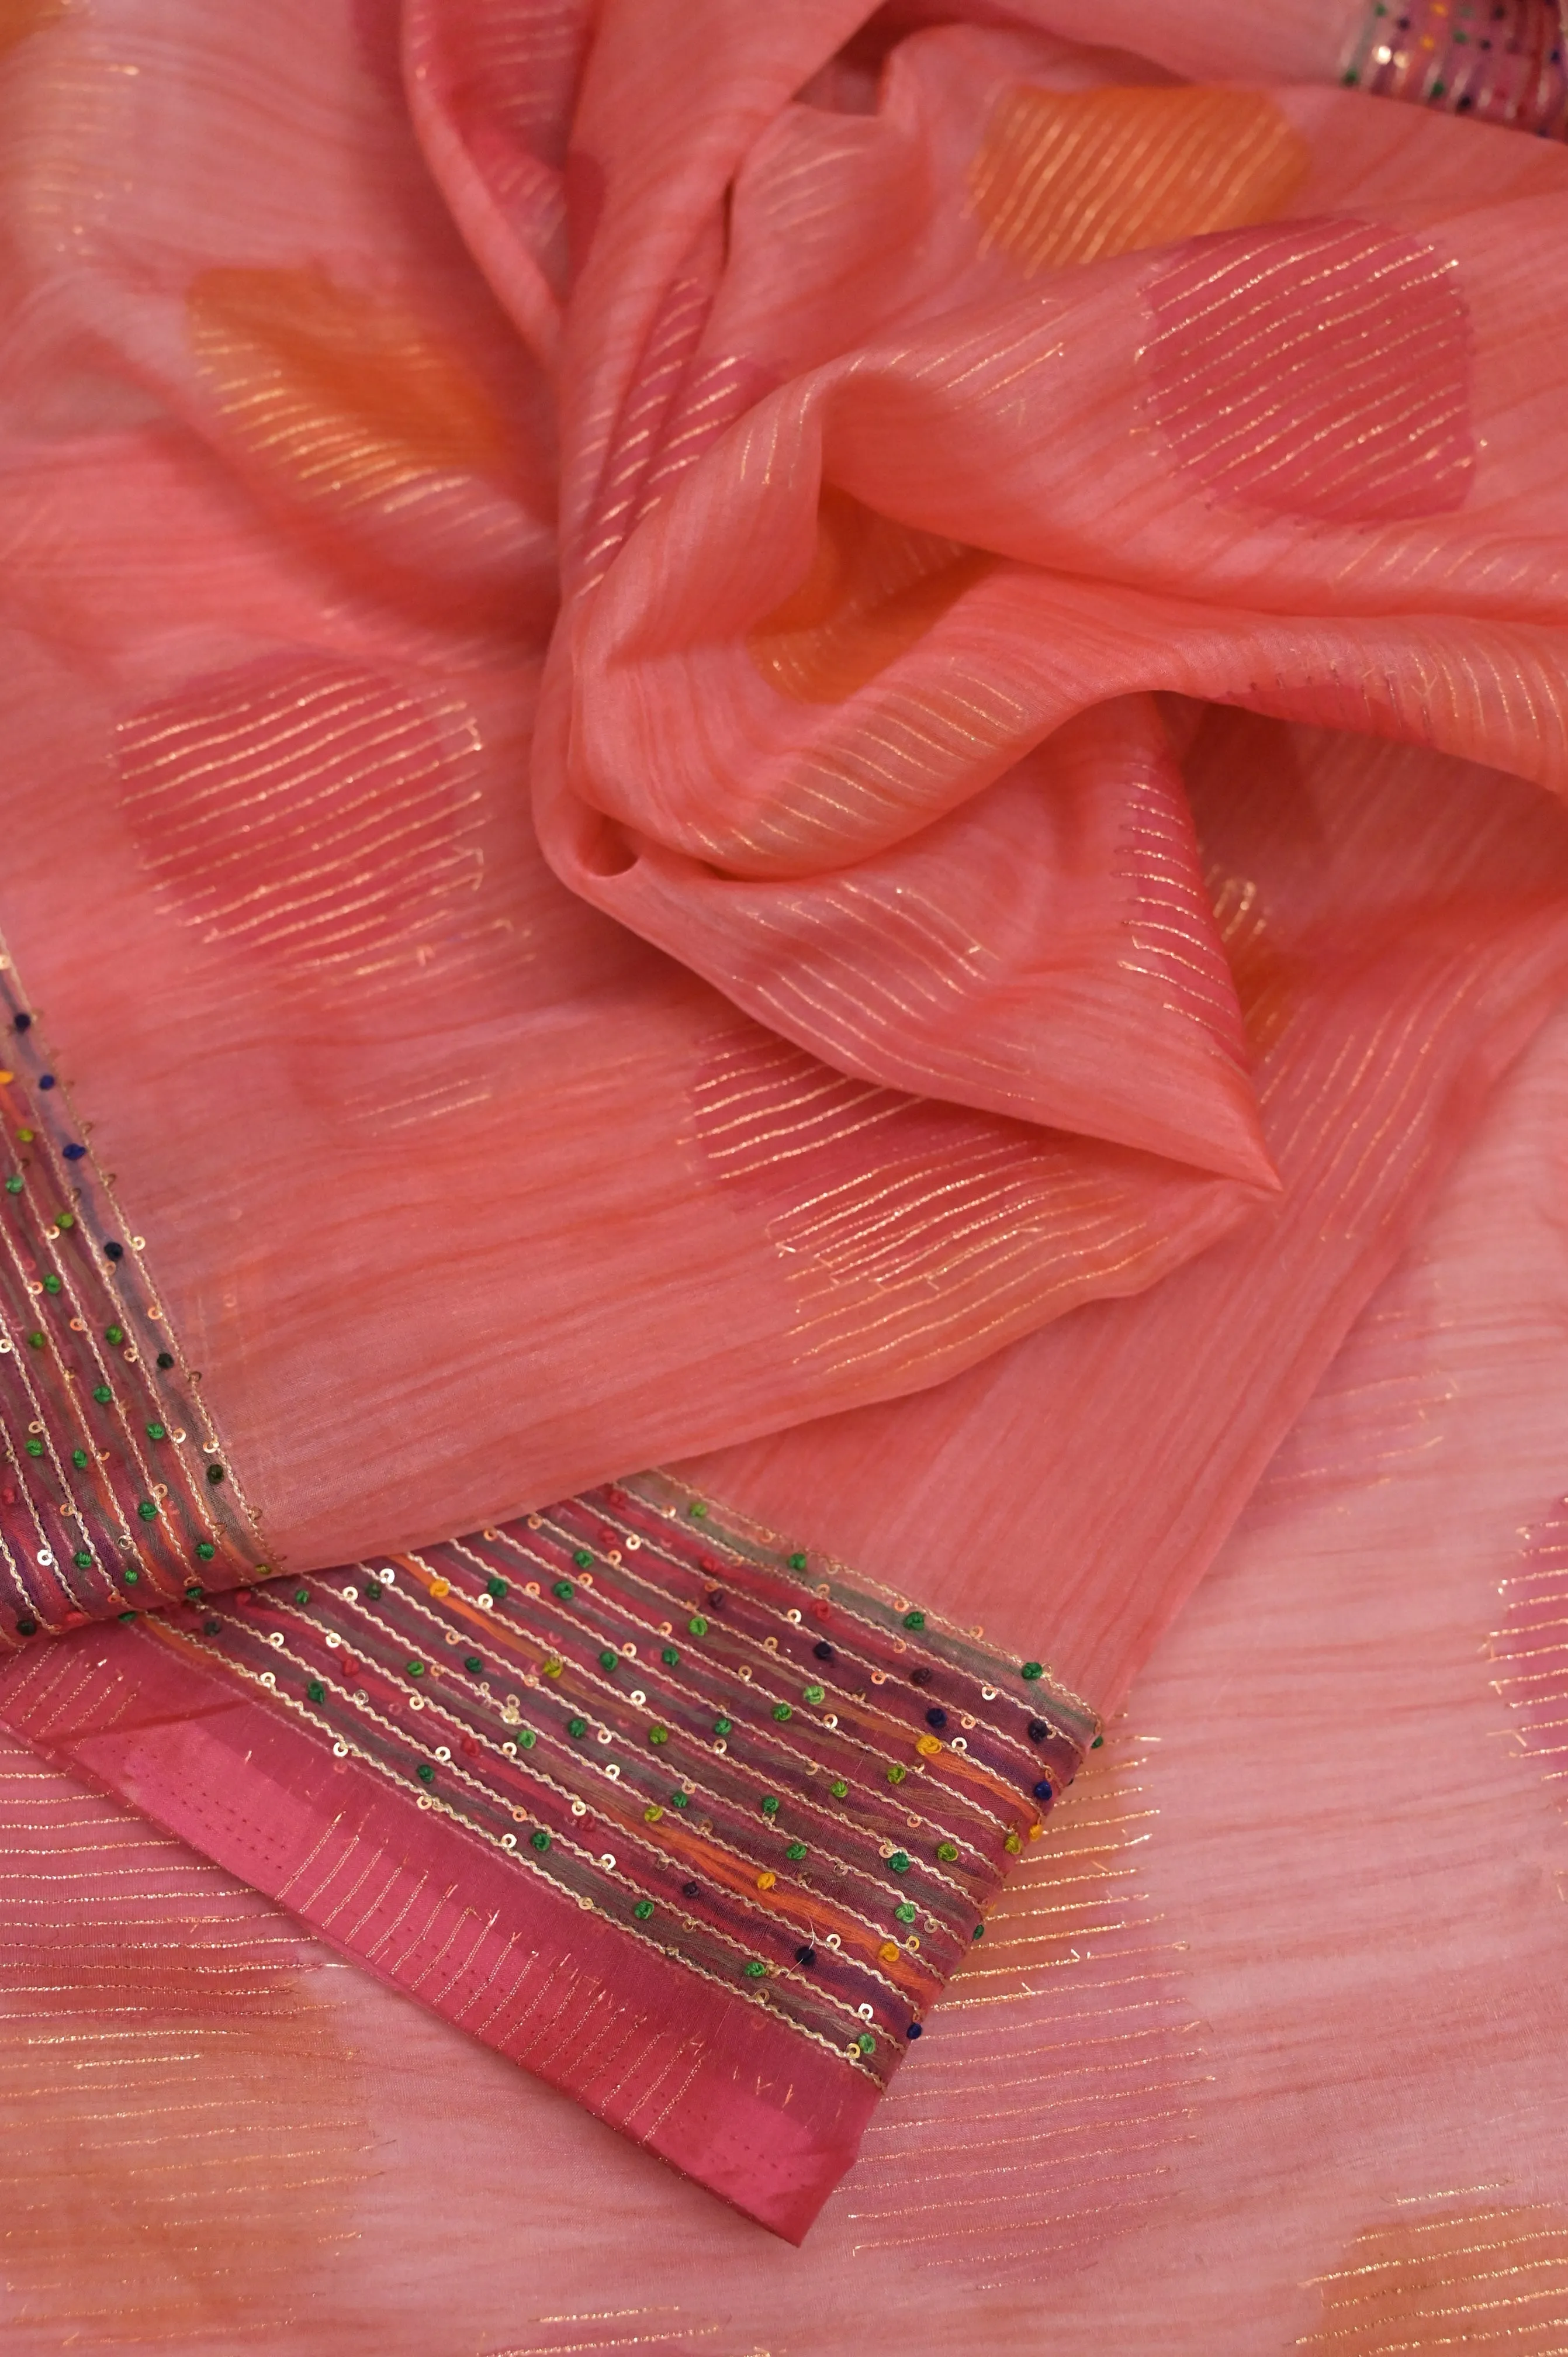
(792, 1782)
(115, 1491)
(1498, 60)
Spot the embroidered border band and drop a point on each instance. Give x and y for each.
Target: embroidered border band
(1498, 60)
(799, 1787)
(115, 1491)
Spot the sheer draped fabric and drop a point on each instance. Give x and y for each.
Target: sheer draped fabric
(826, 749)
(1265, 2050)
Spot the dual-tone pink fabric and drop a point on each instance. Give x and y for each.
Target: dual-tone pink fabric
(824, 749)
(1264, 2048)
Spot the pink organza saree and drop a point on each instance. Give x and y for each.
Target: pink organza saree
(823, 750)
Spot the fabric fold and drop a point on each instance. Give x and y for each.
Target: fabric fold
(823, 750)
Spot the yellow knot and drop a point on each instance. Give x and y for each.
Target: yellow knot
(1035, 1830)
(889, 1953)
(441, 1587)
(1012, 1844)
(766, 1881)
(550, 1669)
(651, 1815)
(927, 1746)
(7, 1079)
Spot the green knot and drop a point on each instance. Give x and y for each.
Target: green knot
(51, 1282)
(414, 1669)
(35, 1448)
(905, 1910)
(578, 1726)
(866, 2043)
(896, 1774)
(316, 1690)
(205, 1550)
(755, 1969)
(83, 1559)
(582, 1558)
(539, 1841)
(564, 1589)
(35, 1341)
(473, 1664)
(374, 1592)
(610, 1658)
(496, 1588)
(113, 1333)
(699, 1513)
(781, 1711)
(670, 1658)
(722, 1725)
(796, 1850)
(947, 1852)
(770, 1806)
(839, 1789)
(978, 1933)
(302, 1595)
(147, 1511)
(797, 1563)
(900, 1862)
(526, 1738)
(13, 1185)
(102, 1395)
(1032, 1670)
(643, 1909)
(425, 1772)
(79, 1457)
(658, 1734)
(914, 1620)
(815, 1693)
(697, 1625)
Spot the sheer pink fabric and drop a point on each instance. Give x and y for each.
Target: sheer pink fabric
(1268, 2050)
(1026, 578)
(280, 481)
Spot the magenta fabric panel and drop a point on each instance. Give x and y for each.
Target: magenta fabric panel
(813, 1788)
(693, 2075)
